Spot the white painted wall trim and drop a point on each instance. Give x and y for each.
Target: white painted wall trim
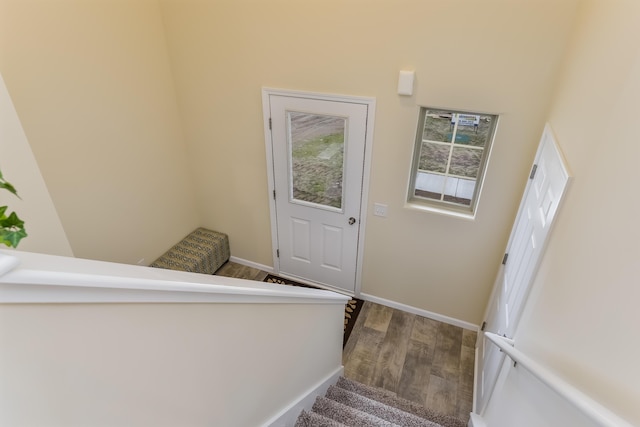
(476, 420)
(420, 312)
(39, 278)
(288, 416)
(8, 263)
(476, 376)
(252, 264)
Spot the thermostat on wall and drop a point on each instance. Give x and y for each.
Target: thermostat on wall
(405, 82)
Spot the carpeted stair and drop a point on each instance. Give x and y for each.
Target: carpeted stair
(350, 404)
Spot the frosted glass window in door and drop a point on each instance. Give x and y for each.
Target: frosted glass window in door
(316, 155)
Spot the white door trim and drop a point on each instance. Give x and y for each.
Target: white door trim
(371, 104)
(548, 137)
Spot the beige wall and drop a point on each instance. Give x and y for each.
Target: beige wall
(583, 314)
(490, 56)
(162, 364)
(92, 86)
(19, 167)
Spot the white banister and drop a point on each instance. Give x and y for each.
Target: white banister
(38, 278)
(8, 263)
(594, 410)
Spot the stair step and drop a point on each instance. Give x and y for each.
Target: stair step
(346, 415)
(390, 399)
(312, 419)
(349, 404)
(373, 407)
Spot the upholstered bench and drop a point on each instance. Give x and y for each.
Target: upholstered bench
(202, 251)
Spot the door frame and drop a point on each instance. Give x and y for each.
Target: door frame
(547, 136)
(364, 193)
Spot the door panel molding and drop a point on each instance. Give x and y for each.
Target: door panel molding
(267, 94)
(532, 227)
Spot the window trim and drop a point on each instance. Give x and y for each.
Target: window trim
(443, 206)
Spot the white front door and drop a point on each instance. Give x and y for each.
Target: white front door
(318, 158)
(540, 202)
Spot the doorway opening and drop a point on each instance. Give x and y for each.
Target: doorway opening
(319, 155)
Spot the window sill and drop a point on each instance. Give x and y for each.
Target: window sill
(469, 216)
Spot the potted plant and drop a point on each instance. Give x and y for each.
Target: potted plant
(11, 227)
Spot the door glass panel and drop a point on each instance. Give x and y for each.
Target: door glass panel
(316, 150)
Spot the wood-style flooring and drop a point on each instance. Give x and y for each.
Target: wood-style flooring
(239, 271)
(419, 359)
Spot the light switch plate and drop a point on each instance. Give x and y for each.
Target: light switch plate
(379, 209)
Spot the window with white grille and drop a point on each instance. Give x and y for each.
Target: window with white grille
(450, 158)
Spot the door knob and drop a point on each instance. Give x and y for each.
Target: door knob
(352, 221)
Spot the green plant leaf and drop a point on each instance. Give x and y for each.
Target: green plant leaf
(11, 221)
(11, 228)
(7, 186)
(12, 238)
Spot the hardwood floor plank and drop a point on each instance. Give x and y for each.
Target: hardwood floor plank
(361, 364)
(465, 383)
(239, 271)
(446, 361)
(469, 338)
(394, 349)
(442, 395)
(425, 330)
(379, 317)
(414, 379)
(467, 361)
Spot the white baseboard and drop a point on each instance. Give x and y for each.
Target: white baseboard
(288, 416)
(409, 309)
(474, 404)
(252, 264)
(420, 312)
(476, 420)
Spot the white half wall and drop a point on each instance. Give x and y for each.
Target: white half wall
(159, 364)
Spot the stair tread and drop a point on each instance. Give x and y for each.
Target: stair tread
(350, 403)
(380, 410)
(313, 419)
(390, 399)
(347, 415)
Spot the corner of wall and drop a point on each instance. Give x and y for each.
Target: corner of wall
(19, 166)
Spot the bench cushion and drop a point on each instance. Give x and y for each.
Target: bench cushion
(202, 251)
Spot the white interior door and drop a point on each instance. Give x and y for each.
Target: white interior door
(548, 182)
(318, 153)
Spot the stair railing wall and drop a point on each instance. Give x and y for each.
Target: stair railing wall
(93, 343)
(591, 409)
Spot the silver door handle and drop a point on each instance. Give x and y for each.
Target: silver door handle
(352, 221)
